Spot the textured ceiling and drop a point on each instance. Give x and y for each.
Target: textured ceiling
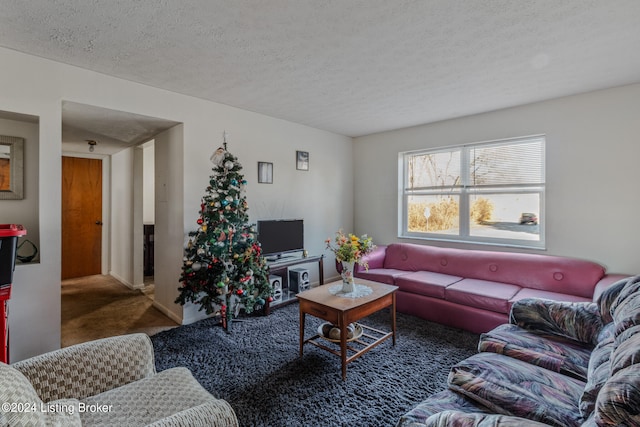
(112, 130)
(353, 67)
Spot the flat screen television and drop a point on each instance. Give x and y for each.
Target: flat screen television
(280, 237)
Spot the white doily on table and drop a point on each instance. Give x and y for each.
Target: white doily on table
(358, 291)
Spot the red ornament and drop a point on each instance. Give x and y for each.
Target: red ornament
(239, 292)
(200, 221)
(270, 299)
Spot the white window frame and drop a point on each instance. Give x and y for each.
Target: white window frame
(465, 191)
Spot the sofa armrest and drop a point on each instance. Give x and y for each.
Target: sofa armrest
(477, 419)
(374, 259)
(578, 321)
(86, 369)
(215, 413)
(605, 282)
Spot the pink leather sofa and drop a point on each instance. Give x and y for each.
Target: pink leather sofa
(473, 289)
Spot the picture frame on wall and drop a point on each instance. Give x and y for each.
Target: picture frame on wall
(302, 160)
(265, 173)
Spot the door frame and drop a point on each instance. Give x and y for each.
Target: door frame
(137, 215)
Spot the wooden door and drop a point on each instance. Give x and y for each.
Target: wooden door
(81, 217)
(5, 175)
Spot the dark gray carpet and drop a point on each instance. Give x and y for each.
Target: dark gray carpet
(256, 368)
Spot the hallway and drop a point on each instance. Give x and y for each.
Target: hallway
(100, 306)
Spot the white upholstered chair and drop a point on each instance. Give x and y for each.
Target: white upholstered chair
(107, 382)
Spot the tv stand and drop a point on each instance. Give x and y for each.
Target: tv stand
(280, 267)
(279, 258)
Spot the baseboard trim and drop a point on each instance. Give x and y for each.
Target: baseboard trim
(122, 280)
(170, 314)
(333, 279)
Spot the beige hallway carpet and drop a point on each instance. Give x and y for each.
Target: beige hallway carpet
(100, 306)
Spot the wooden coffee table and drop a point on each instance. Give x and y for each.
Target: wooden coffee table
(342, 311)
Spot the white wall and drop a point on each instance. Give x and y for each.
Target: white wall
(148, 183)
(24, 211)
(321, 196)
(592, 151)
(31, 85)
(122, 225)
(169, 230)
(131, 187)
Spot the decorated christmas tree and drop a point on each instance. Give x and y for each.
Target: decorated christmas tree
(223, 269)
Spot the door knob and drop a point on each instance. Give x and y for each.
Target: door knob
(98, 222)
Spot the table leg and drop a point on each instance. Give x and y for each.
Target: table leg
(302, 319)
(393, 316)
(343, 348)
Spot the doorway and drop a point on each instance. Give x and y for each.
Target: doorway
(120, 140)
(81, 217)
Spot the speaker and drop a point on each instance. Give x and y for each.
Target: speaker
(276, 286)
(298, 279)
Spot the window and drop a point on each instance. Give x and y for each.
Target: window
(490, 192)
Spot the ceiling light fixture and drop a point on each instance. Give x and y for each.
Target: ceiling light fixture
(92, 145)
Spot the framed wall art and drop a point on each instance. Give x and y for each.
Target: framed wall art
(302, 160)
(11, 168)
(265, 173)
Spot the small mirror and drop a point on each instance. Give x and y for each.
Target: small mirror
(11, 167)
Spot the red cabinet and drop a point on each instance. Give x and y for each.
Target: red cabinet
(9, 234)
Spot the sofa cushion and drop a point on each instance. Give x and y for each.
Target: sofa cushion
(618, 402)
(554, 296)
(63, 413)
(441, 401)
(598, 372)
(627, 314)
(410, 257)
(626, 349)
(492, 296)
(383, 275)
(626, 307)
(150, 399)
(607, 299)
(578, 321)
(547, 351)
(463, 419)
(512, 387)
(543, 272)
(426, 283)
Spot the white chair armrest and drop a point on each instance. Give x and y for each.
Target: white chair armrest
(215, 413)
